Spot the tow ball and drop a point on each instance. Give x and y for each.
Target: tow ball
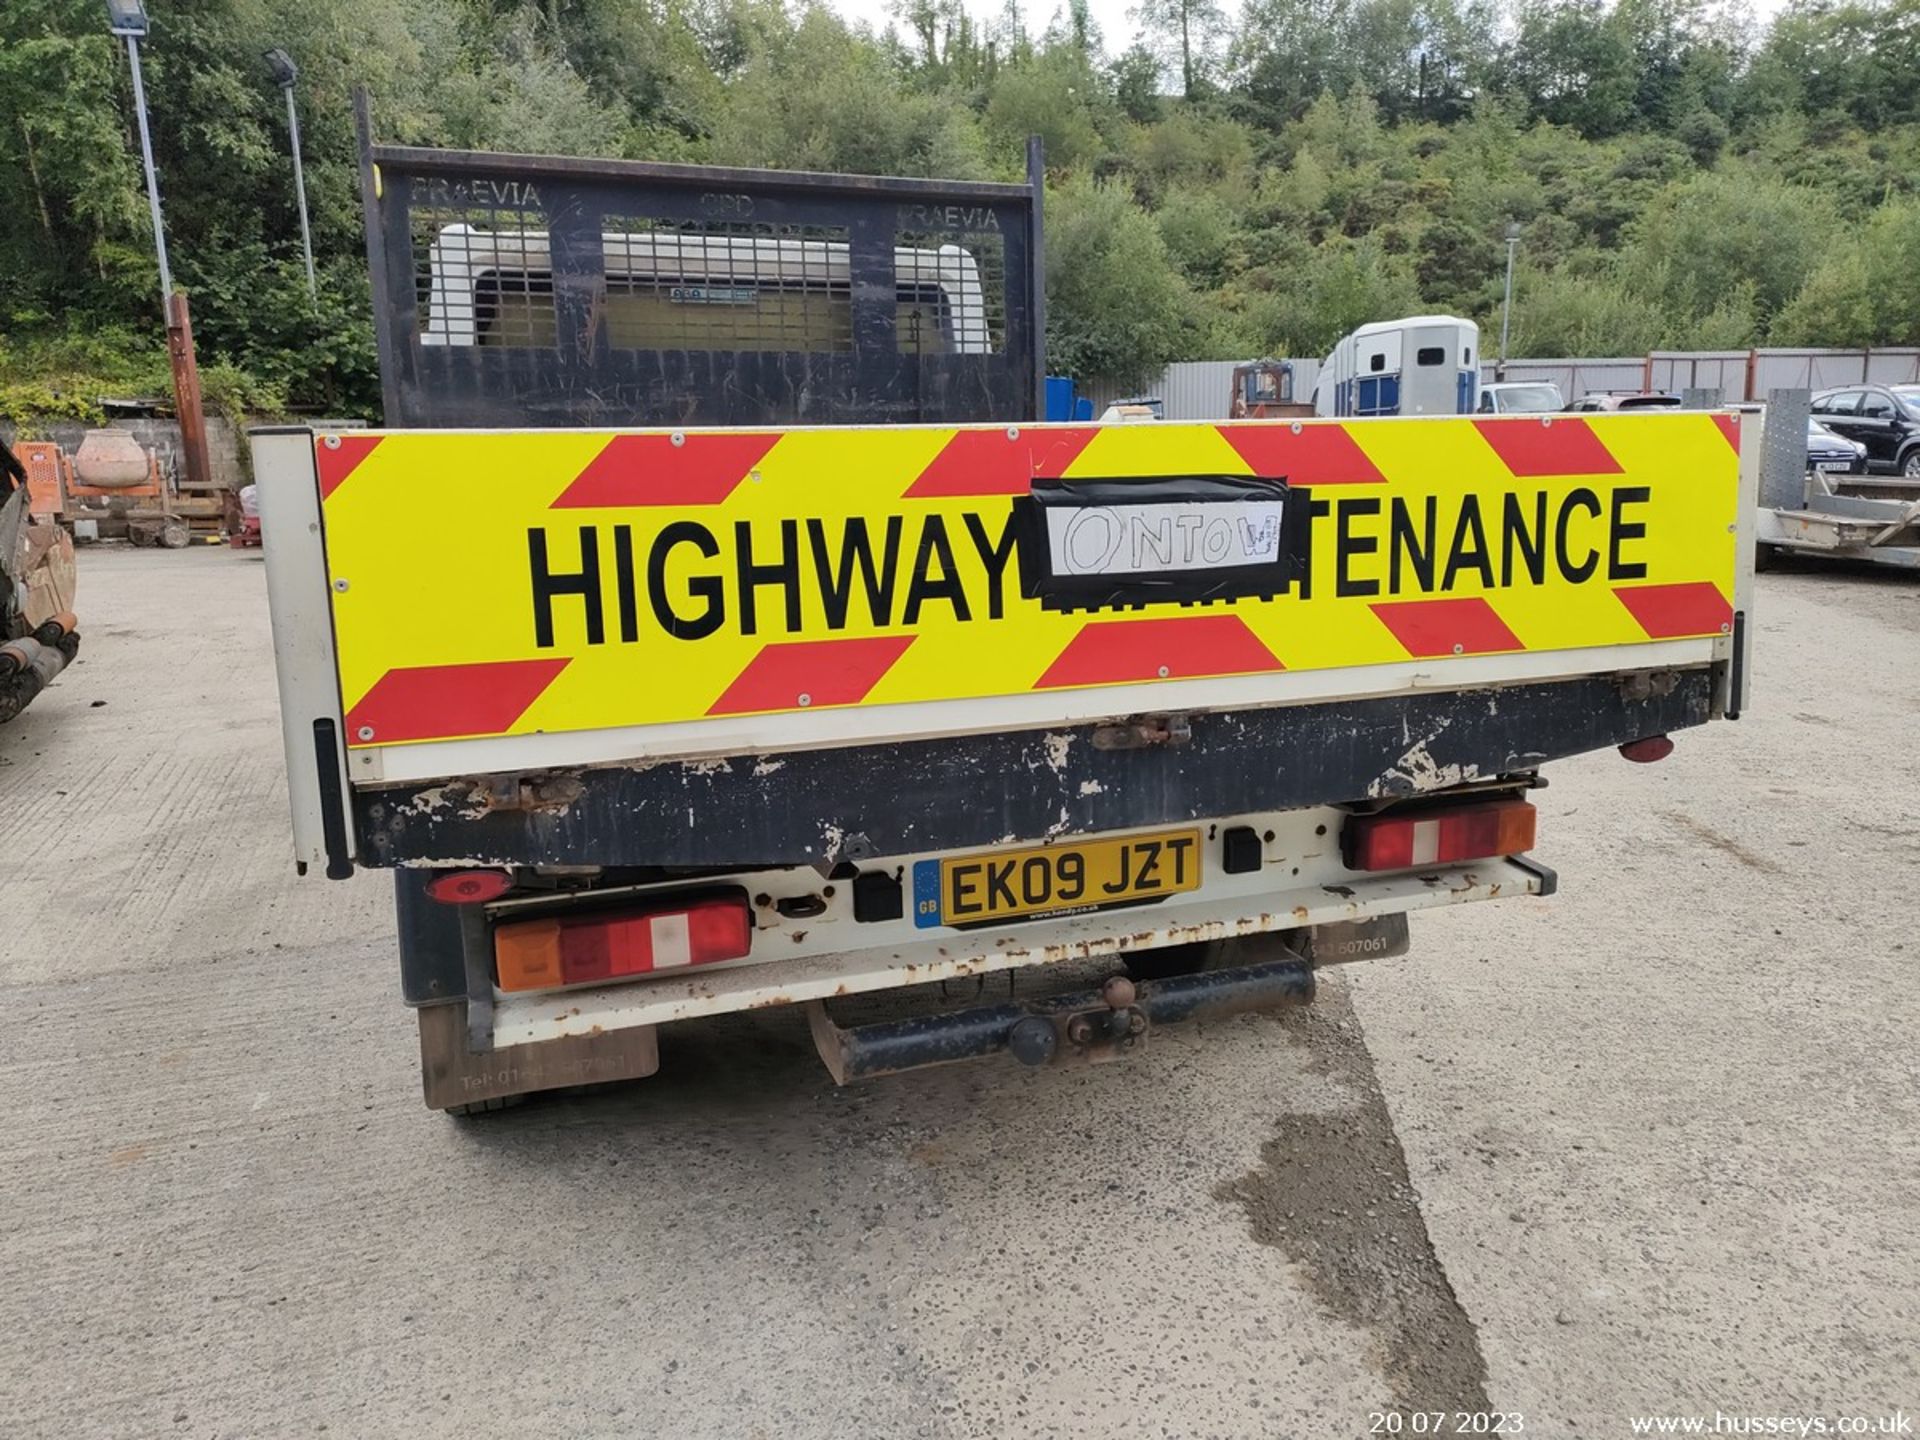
(1102, 1033)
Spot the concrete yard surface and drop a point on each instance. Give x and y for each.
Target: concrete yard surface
(1650, 1147)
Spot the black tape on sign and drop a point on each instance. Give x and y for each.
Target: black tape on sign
(1120, 544)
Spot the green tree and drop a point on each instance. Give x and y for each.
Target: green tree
(1865, 290)
(1191, 33)
(1115, 307)
(1700, 241)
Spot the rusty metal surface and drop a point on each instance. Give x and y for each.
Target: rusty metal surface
(809, 806)
(186, 394)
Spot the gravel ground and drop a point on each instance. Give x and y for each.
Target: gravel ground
(1651, 1146)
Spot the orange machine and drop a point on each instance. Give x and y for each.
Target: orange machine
(49, 477)
(1263, 390)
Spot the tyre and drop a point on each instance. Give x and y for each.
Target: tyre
(1910, 464)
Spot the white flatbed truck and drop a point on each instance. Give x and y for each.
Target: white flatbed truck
(662, 721)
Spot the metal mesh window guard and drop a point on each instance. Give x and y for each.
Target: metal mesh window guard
(952, 292)
(483, 276)
(727, 285)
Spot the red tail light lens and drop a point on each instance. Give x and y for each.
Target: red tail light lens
(1396, 841)
(1645, 752)
(469, 887)
(609, 945)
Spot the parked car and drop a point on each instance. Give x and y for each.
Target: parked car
(1520, 397)
(1885, 419)
(1833, 453)
(1633, 400)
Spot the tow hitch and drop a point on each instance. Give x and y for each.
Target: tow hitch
(1080, 1028)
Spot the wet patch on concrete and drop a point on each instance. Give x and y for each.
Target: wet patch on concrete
(1702, 831)
(1332, 1193)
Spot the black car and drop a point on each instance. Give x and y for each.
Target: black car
(1884, 418)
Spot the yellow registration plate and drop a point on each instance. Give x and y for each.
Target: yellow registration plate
(1078, 875)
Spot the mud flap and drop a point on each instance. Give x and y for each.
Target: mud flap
(452, 1074)
(1380, 938)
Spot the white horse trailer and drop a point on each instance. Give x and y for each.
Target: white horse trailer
(1422, 365)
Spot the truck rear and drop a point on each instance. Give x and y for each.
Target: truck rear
(1064, 733)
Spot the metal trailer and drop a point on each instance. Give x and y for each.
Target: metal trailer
(1872, 518)
(664, 717)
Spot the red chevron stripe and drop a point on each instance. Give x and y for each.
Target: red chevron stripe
(1669, 612)
(445, 702)
(1317, 455)
(335, 457)
(1429, 628)
(986, 462)
(1116, 652)
(1565, 445)
(827, 672)
(1730, 429)
(652, 470)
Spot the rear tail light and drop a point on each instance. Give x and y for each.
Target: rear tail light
(1648, 750)
(1402, 841)
(611, 944)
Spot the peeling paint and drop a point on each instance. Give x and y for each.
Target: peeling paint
(1092, 787)
(1417, 771)
(1058, 745)
(426, 802)
(767, 765)
(710, 767)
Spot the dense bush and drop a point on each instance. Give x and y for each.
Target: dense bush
(1261, 178)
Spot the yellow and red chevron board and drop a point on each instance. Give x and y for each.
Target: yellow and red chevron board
(510, 583)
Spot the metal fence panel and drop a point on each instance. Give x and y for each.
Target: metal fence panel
(1672, 371)
(1198, 390)
(1577, 377)
(1817, 369)
(1894, 367)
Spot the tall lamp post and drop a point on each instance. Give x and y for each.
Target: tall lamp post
(1506, 306)
(285, 73)
(128, 19)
